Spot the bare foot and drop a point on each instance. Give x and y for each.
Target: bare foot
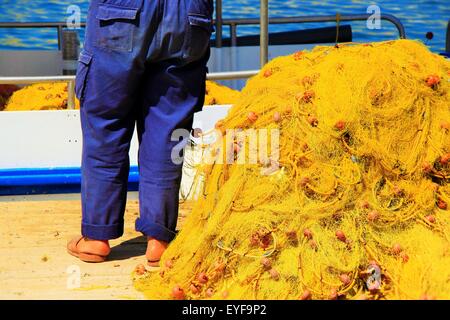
(155, 249)
(88, 250)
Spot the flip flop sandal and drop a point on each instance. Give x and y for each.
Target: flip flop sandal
(72, 249)
(157, 248)
(153, 263)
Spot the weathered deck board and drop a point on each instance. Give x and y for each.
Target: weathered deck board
(34, 262)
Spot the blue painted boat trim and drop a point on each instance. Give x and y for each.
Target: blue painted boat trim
(49, 181)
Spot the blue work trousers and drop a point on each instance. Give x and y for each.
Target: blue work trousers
(143, 65)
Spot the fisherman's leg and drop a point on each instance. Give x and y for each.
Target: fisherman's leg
(109, 74)
(175, 90)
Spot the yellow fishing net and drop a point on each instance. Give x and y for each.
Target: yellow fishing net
(219, 94)
(53, 96)
(40, 96)
(362, 185)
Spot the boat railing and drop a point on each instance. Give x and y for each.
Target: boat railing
(70, 80)
(447, 38)
(234, 23)
(231, 23)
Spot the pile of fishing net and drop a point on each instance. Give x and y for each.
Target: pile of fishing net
(40, 96)
(6, 91)
(356, 206)
(53, 96)
(219, 94)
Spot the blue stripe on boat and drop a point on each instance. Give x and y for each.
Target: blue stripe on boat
(49, 180)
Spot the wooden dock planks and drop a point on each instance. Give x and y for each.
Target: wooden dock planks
(33, 259)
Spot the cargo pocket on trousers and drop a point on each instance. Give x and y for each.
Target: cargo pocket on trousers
(198, 36)
(115, 27)
(84, 63)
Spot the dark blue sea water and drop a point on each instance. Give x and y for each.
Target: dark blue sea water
(418, 16)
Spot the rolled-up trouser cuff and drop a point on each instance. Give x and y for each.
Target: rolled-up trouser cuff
(107, 232)
(154, 230)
